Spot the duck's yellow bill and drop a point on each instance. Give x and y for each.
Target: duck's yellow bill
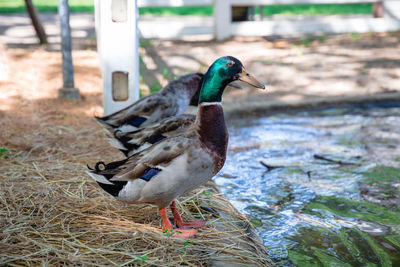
(247, 78)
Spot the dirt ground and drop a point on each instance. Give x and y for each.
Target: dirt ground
(48, 138)
(297, 70)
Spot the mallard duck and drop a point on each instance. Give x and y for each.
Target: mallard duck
(132, 142)
(176, 165)
(172, 100)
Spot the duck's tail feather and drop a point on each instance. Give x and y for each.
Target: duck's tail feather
(102, 176)
(135, 141)
(105, 124)
(122, 141)
(117, 144)
(113, 123)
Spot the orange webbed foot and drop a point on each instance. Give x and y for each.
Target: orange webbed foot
(169, 231)
(179, 232)
(184, 225)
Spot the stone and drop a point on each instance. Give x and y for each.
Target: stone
(69, 93)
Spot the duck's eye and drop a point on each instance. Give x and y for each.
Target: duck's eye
(230, 63)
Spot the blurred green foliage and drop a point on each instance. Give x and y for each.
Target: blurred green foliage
(4, 151)
(18, 6)
(310, 10)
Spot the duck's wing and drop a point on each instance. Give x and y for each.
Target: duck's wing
(144, 111)
(132, 142)
(143, 165)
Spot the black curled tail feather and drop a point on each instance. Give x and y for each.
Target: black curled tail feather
(98, 164)
(107, 171)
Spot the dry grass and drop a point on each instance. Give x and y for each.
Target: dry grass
(52, 213)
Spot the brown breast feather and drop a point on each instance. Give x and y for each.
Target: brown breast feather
(213, 133)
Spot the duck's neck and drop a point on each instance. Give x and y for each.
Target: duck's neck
(213, 86)
(212, 131)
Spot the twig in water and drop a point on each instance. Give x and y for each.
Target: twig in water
(320, 157)
(309, 175)
(269, 167)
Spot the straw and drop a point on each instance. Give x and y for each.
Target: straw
(53, 213)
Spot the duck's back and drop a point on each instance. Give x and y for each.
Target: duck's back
(172, 100)
(132, 142)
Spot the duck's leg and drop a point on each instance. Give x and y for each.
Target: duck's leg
(180, 223)
(184, 233)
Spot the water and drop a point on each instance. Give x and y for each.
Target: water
(307, 207)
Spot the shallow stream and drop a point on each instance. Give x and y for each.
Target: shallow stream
(303, 180)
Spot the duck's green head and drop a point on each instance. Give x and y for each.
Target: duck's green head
(222, 72)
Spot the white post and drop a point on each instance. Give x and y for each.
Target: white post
(391, 9)
(118, 43)
(222, 19)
